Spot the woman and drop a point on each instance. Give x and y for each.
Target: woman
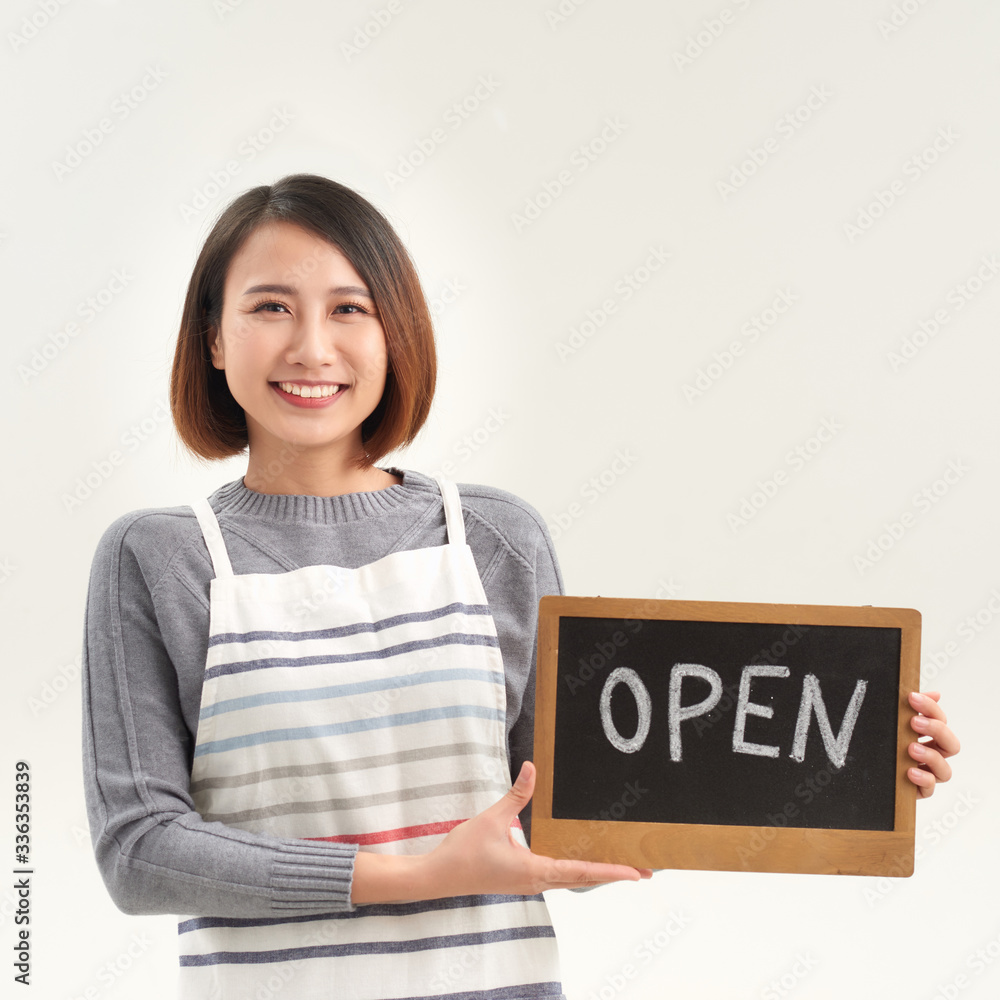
(306, 695)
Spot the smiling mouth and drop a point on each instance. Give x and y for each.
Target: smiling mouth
(310, 391)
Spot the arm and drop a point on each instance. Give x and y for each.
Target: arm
(518, 566)
(481, 856)
(514, 590)
(141, 693)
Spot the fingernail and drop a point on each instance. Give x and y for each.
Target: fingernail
(917, 750)
(921, 723)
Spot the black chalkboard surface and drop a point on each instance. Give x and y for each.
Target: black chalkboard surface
(735, 736)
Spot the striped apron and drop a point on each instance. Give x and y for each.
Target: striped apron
(359, 706)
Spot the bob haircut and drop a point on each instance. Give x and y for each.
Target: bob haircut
(208, 419)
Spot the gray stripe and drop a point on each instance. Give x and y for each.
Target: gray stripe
(355, 628)
(523, 991)
(452, 638)
(370, 947)
(367, 911)
(344, 766)
(356, 802)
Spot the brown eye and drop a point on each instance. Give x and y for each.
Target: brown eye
(259, 306)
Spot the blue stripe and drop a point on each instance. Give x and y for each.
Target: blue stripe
(342, 690)
(368, 910)
(358, 627)
(451, 638)
(353, 726)
(369, 947)
(524, 991)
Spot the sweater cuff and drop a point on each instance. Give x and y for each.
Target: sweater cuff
(307, 875)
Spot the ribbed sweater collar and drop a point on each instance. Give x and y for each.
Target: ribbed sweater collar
(236, 498)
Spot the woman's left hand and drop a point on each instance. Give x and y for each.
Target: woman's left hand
(932, 765)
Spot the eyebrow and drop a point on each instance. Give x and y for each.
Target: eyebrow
(288, 290)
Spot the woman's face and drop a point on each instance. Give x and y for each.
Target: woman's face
(297, 317)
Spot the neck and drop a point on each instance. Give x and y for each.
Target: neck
(318, 478)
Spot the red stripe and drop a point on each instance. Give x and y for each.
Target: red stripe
(402, 833)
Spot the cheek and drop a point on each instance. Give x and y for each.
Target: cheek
(244, 350)
(372, 365)
(239, 337)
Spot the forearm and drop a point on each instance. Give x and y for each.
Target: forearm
(181, 865)
(154, 851)
(391, 878)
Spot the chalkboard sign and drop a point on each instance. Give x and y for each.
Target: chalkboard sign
(742, 737)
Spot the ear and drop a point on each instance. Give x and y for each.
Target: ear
(215, 348)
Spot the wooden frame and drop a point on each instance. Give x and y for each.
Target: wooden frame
(702, 846)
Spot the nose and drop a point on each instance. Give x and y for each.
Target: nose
(313, 340)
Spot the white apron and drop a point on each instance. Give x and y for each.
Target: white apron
(359, 706)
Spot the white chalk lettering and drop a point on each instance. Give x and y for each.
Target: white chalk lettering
(812, 702)
(745, 707)
(628, 677)
(676, 714)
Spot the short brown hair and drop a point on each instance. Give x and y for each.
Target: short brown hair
(208, 419)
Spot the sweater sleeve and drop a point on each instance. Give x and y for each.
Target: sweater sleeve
(154, 852)
(522, 570)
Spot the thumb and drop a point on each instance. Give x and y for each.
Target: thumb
(523, 788)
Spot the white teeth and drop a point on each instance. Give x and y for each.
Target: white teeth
(309, 391)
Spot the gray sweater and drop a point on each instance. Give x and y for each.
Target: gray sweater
(145, 644)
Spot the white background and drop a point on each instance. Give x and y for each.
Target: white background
(886, 80)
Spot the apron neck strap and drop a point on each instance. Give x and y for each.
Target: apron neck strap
(213, 537)
(452, 510)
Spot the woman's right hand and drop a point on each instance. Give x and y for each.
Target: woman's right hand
(482, 856)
